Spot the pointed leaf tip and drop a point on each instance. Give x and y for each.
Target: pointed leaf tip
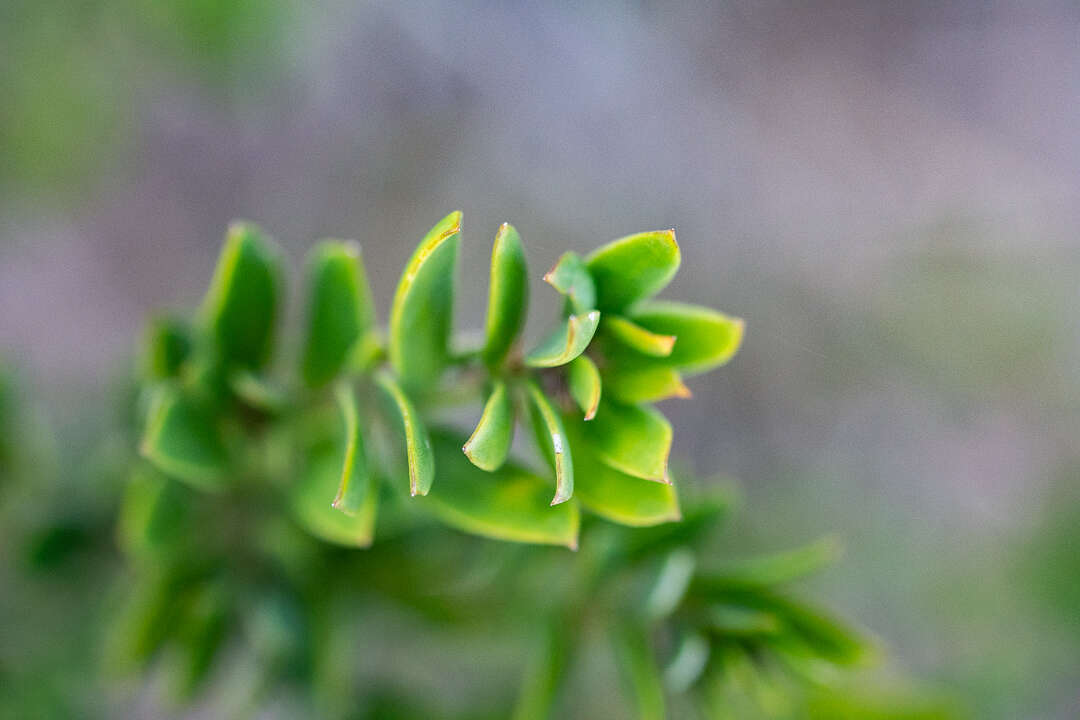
(571, 278)
(566, 342)
(508, 295)
(489, 444)
(633, 267)
(552, 442)
(422, 311)
(421, 459)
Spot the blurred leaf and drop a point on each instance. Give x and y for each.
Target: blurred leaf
(689, 663)
(507, 504)
(423, 308)
(635, 337)
(733, 620)
(355, 483)
(643, 383)
(152, 512)
(781, 567)
(182, 440)
(167, 343)
(705, 338)
(633, 267)
(341, 309)
(633, 439)
(614, 495)
(200, 635)
(242, 304)
(552, 442)
(545, 672)
(585, 386)
(311, 495)
(572, 279)
(641, 678)
(508, 296)
(566, 342)
(489, 444)
(417, 441)
(671, 583)
(257, 392)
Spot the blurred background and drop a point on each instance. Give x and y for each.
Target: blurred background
(889, 193)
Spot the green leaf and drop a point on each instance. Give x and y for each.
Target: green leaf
(614, 495)
(783, 567)
(636, 337)
(688, 664)
(423, 308)
(257, 392)
(182, 440)
(353, 488)
(634, 267)
(734, 620)
(507, 504)
(705, 338)
(241, 307)
(200, 635)
(341, 309)
(489, 444)
(567, 341)
(631, 438)
(641, 678)
(418, 451)
(585, 386)
(671, 584)
(545, 672)
(571, 278)
(320, 478)
(508, 296)
(644, 383)
(551, 437)
(153, 512)
(167, 343)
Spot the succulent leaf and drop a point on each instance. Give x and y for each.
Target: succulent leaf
(182, 440)
(571, 278)
(566, 342)
(489, 444)
(585, 386)
(422, 313)
(508, 296)
(633, 267)
(421, 459)
(705, 338)
(635, 337)
(634, 439)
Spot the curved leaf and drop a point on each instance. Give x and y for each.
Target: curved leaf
(507, 504)
(355, 477)
(631, 438)
(241, 307)
(634, 267)
(585, 386)
(508, 296)
(423, 309)
(636, 337)
(572, 279)
(551, 438)
(182, 441)
(567, 341)
(417, 441)
(616, 496)
(489, 444)
(705, 338)
(643, 383)
(320, 478)
(341, 309)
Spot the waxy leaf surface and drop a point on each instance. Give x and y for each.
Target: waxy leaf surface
(340, 310)
(585, 385)
(553, 444)
(489, 444)
(635, 337)
(566, 342)
(631, 438)
(643, 383)
(507, 504)
(508, 296)
(418, 452)
(354, 475)
(704, 340)
(632, 268)
(571, 278)
(241, 307)
(423, 308)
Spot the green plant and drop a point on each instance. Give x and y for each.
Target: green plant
(242, 523)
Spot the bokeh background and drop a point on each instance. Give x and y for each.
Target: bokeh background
(888, 192)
